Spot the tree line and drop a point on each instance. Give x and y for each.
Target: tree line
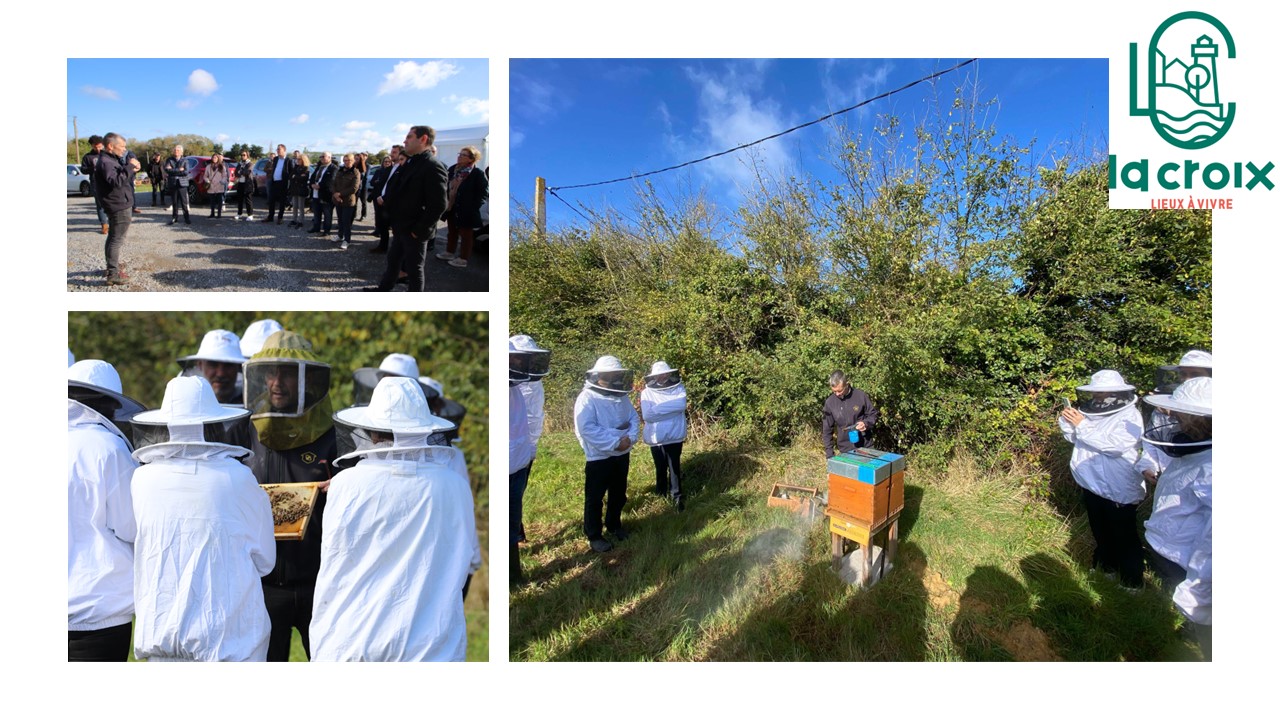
(197, 145)
(965, 285)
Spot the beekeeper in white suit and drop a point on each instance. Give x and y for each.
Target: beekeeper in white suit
(662, 406)
(205, 532)
(1105, 429)
(100, 524)
(607, 426)
(1195, 363)
(520, 450)
(1180, 529)
(400, 536)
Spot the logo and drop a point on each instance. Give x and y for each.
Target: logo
(1182, 93)
(308, 457)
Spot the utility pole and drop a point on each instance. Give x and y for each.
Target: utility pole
(540, 207)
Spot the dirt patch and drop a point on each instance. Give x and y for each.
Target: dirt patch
(1027, 642)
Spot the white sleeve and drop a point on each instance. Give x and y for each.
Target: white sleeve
(118, 471)
(592, 432)
(263, 547)
(1194, 595)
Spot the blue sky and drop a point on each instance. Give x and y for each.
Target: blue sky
(341, 104)
(579, 121)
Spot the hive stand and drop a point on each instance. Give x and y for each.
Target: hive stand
(845, 527)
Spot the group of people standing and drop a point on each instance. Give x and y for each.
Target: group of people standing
(1118, 457)
(411, 193)
(607, 427)
(171, 537)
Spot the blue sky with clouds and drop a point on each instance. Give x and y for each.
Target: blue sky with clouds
(579, 121)
(322, 104)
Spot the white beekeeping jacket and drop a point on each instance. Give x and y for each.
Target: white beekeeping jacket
(1105, 454)
(534, 399)
(663, 413)
(520, 447)
(1153, 458)
(399, 542)
(601, 420)
(1181, 529)
(100, 524)
(205, 539)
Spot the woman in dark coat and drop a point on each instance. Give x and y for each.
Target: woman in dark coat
(468, 191)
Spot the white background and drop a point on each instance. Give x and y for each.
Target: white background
(41, 36)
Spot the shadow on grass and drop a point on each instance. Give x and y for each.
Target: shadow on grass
(666, 569)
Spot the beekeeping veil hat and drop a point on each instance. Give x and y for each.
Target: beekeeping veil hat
(190, 416)
(656, 379)
(256, 334)
(220, 346)
(94, 392)
(397, 423)
(444, 407)
(1106, 393)
(1195, 363)
(1185, 423)
(217, 345)
(393, 365)
(609, 376)
(286, 387)
(539, 358)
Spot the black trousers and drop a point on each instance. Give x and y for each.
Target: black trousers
(244, 202)
(407, 253)
(277, 196)
(215, 204)
(181, 199)
(1117, 547)
(323, 211)
(666, 464)
(605, 477)
(288, 607)
(105, 645)
(118, 223)
(381, 226)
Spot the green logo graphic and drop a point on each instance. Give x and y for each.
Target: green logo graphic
(1182, 80)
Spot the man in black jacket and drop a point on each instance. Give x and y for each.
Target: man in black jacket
(278, 172)
(414, 200)
(175, 171)
(88, 166)
(848, 413)
(113, 189)
(322, 194)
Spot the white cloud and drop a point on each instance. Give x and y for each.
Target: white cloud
(201, 82)
(100, 92)
(402, 128)
(187, 104)
(517, 139)
(357, 125)
(222, 137)
(409, 75)
(300, 119)
(473, 106)
(732, 111)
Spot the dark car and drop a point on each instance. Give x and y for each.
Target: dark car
(260, 176)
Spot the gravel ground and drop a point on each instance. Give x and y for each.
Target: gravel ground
(226, 254)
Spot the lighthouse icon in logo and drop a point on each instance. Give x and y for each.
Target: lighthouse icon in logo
(1182, 91)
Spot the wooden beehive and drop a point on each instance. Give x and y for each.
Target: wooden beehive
(865, 488)
(799, 500)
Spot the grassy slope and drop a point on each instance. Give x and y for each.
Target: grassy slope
(982, 573)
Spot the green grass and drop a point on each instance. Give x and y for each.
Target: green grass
(983, 572)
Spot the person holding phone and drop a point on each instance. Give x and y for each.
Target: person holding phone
(848, 414)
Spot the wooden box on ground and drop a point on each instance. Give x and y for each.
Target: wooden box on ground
(291, 507)
(799, 500)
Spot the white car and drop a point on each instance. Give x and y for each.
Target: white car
(77, 182)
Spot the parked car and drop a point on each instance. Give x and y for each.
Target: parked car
(77, 182)
(198, 190)
(260, 176)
